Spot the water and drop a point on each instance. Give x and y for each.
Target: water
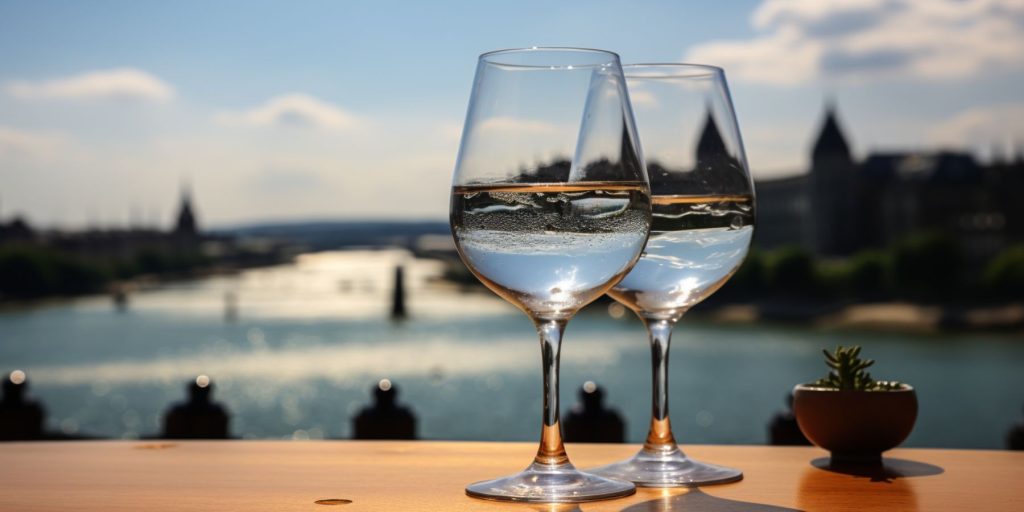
(551, 248)
(679, 269)
(312, 338)
(696, 243)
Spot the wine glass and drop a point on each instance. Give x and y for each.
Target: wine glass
(703, 220)
(550, 207)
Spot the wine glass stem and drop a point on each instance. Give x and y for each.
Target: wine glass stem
(659, 437)
(551, 451)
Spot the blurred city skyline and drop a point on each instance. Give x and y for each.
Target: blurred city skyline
(354, 110)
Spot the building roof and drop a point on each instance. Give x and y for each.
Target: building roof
(710, 144)
(831, 141)
(939, 166)
(186, 223)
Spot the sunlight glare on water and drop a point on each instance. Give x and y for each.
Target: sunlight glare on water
(312, 340)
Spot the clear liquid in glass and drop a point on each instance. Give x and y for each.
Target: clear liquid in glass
(696, 244)
(550, 248)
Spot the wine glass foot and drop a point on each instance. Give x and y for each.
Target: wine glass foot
(667, 469)
(542, 483)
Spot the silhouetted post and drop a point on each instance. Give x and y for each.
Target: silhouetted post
(20, 418)
(230, 307)
(398, 295)
(200, 417)
(593, 423)
(385, 419)
(119, 295)
(1015, 437)
(784, 430)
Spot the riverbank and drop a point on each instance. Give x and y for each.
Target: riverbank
(895, 317)
(122, 289)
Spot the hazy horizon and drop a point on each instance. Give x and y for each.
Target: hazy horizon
(353, 110)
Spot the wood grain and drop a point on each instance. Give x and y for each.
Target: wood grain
(414, 476)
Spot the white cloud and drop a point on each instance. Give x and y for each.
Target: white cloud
(982, 126)
(17, 144)
(343, 177)
(857, 40)
(293, 109)
(277, 180)
(642, 98)
(114, 84)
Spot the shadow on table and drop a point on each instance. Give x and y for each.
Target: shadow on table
(890, 470)
(695, 499)
(886, 487)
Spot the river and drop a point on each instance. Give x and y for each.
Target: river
(310, 338)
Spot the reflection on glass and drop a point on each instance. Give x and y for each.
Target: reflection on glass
(703, 221)
(550, 207)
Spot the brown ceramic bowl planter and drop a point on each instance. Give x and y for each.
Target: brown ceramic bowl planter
(856, 426)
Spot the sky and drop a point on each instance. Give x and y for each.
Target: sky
(281, 111)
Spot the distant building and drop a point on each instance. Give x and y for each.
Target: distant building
(186, 223)
(841, 205)
(126, 252)
(829, 183)
(119, 244)
(782, 210)
(16, 230)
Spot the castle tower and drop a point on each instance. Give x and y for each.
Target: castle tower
(186, 224)
(832, 190)
(717, 170)
(710, 145)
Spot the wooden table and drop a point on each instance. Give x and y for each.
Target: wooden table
(412, 476)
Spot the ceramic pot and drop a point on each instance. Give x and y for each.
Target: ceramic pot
(856, 426)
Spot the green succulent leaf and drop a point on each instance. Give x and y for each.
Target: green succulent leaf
(848, 372)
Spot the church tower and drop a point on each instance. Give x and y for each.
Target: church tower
(717, 169)
(832, 190)
(710, 145)
(186, 223)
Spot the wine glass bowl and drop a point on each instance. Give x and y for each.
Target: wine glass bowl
(550, 207)
(551, 248)
(702, 224)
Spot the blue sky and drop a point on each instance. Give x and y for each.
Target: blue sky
(295, 110)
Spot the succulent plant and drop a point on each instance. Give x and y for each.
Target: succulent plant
(848, 372)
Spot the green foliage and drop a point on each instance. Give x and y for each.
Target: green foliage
(160, 262)
(752, 274)
(832, 274)
(793, 269)
(29, 272)
(926, 267)
(848, 373)
(1005, 274)
(929, 265)
(868, 273)
(865, 275)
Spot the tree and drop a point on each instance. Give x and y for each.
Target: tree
(929, 266)
(868, 274)
(27, 272)
(792, 270)
(1005, 273)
